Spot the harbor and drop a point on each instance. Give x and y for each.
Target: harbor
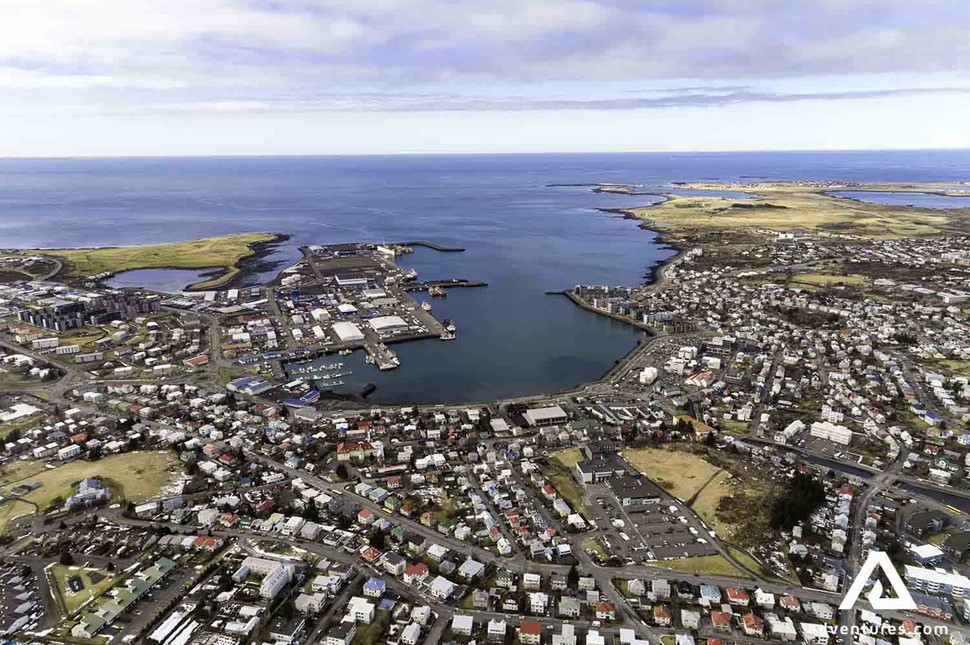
(339, 299)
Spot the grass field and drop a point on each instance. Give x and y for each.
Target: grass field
(211, 252)
(680, 473)
(560, 475)
(593, 545)
(709, 498)
(827, 280)
(19, 470)
(12, 510)
(787, 210)
(715, 565)
(60, 574)
(568, 457)
(134, 476)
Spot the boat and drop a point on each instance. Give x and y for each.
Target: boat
(447, 335)
(450, 326)
(436, 291)
(345, 352)
(411, 274)
(369, 360)
(426, 305)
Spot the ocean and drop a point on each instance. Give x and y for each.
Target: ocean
(523, 236)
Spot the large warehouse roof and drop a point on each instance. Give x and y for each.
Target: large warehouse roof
(347, 331)
(387, 323)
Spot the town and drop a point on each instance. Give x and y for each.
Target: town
(185, 470)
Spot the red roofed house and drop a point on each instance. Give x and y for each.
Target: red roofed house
(530, 632)
(415, 573)
(737, 596)
(753, 626)
(661, 615)
(721, 621)
(358, 451)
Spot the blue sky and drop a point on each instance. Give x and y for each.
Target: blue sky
(143, 77)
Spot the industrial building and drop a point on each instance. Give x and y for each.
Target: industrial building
(550, 416)
(348, 332)
(634, 491)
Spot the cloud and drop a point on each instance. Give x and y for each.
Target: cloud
(408, 102)
(217, 43)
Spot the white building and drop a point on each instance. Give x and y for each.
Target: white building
(832, 432)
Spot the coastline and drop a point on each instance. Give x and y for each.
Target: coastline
(243, 267)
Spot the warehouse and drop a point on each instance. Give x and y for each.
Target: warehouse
(347, 332)
(388, 324)
(546, 416)
(635, 491)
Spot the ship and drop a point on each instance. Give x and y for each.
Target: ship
(447, 335)
(345, 352)
(411, 274)
(436, 291)
(450, 326)
(426, 305)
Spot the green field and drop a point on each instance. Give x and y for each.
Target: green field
(560, 475)
(12, 510)
(211, 252)
(595, 546)
(791, 209)
(828, 280)
(680, 473)
(134, 477)
(715, 565)
(709, 499)
(59, 575)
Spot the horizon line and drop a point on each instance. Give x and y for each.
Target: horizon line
(470, 153)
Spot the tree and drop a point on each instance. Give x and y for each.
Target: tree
(804, 495)
(341, 471)
(573, 578)
(65, 557)
(378, 540)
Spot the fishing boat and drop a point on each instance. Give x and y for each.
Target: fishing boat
(447, 335)
(426, 305)
(411, 274)
(436, 291)
(345, 352)
(450, 326)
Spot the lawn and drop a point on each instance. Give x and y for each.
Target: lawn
(714, 565)
(211, 252)
(12, 510)
(134, 476)
(682, 474)
(60, 574)
(594, 546)
(21, 469)
(709, 498)
(568, 457)
(561, 477)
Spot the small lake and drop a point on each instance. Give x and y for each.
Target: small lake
(922, 200)
(164, 280)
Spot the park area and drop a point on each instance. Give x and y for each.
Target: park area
(211, 252)
(77, 585)
(134, 477)
(682, 474)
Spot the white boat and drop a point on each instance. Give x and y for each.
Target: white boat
(426, 305)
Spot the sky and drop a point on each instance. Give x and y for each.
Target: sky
(226, 77)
